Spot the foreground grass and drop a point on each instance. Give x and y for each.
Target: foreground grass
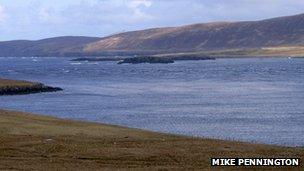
(31, 142)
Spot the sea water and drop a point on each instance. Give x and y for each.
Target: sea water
(252, 99)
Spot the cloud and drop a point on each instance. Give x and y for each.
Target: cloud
(137, 3)
(180, 12)
(102, 12)
(36, 19)
(33, 19)
(2, 15)
(138, 13)
(110, 11)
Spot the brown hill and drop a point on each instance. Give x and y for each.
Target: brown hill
(282, 31)
(58, 46)
(225, 35)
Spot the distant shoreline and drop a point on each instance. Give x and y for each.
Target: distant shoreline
(143, 59)
(262, 52)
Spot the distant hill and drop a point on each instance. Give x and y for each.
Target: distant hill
(282, 31)
(58, 46)
(223, 35)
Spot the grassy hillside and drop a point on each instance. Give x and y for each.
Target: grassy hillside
(57, 46)
(282, 31)
(31, 142)
(279, 51)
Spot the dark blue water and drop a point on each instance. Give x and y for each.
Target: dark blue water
(256, 100)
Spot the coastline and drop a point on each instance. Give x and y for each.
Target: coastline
(36, 142)
(27, 139)
(13, 87)
(172, 58)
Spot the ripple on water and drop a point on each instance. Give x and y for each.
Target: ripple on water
(239, 99)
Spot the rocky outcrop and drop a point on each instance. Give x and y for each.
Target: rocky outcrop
(137, 60)
(35, 88)
(164, 60)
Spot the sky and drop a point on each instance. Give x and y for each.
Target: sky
(37, 19)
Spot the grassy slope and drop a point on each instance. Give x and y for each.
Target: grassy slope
(4, 83)
(37, 142)
(281, 51)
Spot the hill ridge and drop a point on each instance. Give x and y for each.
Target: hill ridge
(279, 31)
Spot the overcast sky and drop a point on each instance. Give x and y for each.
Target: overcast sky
(36, 19)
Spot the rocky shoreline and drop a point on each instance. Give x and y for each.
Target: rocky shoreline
(163, 60)
(17, 88)
(151, 60)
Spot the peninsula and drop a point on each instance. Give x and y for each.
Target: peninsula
(13, 87)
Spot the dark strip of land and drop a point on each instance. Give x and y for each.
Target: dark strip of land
(98, 59)
(145, 59)
(12, 87)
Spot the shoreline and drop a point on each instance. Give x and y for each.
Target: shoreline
(14, 87)
(171, 60)
(28, 138)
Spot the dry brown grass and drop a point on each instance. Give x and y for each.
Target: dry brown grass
(31, 142)
(279, 51)
(13, 87)
(13, 83)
